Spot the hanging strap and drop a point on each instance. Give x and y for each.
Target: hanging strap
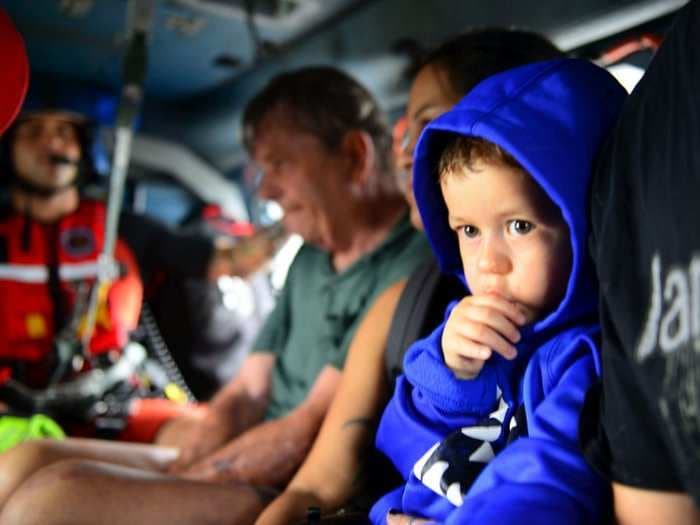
(407, 324)
(58, 299)
(139, 21)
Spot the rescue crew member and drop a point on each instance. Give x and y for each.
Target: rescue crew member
(50, 239)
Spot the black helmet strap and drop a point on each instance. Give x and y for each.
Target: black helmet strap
(40, 191)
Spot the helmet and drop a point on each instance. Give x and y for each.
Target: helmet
(85, 108)
(14, 72)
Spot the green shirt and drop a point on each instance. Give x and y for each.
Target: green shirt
(318, 311)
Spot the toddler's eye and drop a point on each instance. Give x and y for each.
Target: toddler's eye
(520, 227)
(470, 231)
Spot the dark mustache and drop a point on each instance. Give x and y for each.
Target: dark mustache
(63, 160)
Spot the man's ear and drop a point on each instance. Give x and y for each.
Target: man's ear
(359, 149)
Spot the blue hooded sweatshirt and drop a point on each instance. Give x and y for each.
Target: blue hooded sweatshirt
(502, 447)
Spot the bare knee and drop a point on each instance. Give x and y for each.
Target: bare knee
(31, 454)
(47, 497)
(20, 462)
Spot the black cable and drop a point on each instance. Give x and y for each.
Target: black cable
(162, 353)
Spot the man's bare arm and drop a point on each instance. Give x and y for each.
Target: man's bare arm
(246, 255)
(236, 408)
(270, 453)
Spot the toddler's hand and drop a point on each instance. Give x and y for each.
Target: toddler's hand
(478, 326)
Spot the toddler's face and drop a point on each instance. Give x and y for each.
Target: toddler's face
(513, 239)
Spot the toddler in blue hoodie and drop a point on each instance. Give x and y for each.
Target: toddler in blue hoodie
(483, 423)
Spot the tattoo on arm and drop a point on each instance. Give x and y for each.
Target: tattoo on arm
(360, 421)
(369, 425)
(223, 466)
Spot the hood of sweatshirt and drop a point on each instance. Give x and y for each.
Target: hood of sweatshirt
(551, 117)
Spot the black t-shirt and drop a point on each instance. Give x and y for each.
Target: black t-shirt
(645, 206)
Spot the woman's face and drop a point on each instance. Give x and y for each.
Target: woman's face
(430, 97)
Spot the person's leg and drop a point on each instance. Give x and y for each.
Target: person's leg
(20, 462)
(85, 492)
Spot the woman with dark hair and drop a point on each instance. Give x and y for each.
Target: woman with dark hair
(336, 470)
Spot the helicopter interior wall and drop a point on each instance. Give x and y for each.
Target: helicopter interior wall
(195, 97)
(363, 43)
